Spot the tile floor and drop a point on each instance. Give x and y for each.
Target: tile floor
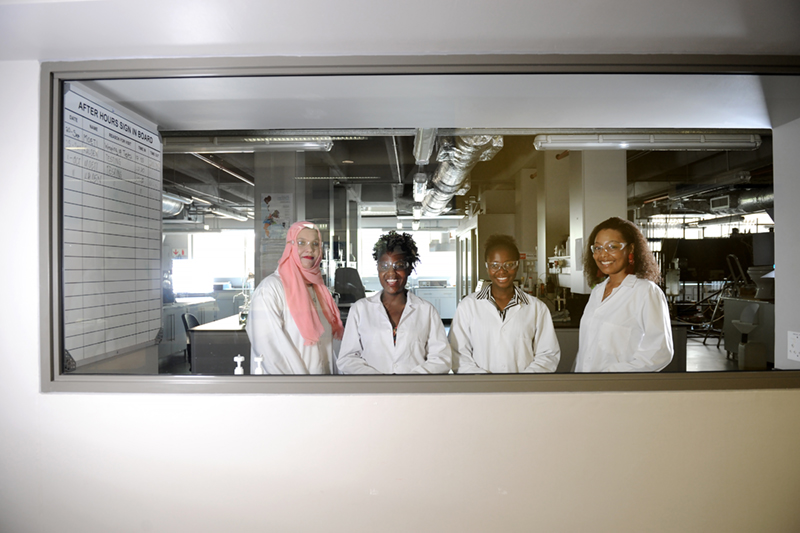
(707, 357)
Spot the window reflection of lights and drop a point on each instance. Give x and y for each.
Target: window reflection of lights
(311, 138)
(342, 178)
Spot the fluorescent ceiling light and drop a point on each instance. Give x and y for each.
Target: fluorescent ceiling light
(435, 217)
(337, 178)
(224, 169)
(225, 213)
(672, 141)
(272, 144)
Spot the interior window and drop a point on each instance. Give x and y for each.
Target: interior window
(173, 205)
(229, 198)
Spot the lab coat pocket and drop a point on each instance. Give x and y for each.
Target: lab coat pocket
(615, 340)
(417, 351)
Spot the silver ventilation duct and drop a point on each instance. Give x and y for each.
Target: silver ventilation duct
(172, 204)
(456, 161)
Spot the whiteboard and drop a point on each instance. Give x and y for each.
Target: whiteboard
(111, 224)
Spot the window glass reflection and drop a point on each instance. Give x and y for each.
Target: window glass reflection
(227, 230)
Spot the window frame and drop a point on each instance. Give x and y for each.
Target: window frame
(54, 73)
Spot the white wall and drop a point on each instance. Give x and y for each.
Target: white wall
(703, 461)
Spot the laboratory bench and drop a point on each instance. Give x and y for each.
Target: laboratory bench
(215, 344)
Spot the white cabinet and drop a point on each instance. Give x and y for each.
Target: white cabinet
(173, 333)
(442, 298)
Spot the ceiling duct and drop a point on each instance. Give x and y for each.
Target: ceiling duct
(721, 181)
(172, 204)
(735, 202)
(424, 140)
(456, 161)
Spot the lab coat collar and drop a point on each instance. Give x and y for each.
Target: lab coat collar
(412, 300)
(486, 294)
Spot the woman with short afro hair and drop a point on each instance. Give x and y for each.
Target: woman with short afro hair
(394, 331)
(500, 328)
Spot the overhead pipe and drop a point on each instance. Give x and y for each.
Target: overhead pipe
(456, 161)
(172, 204)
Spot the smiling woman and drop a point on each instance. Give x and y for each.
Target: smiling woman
(293, 319)
(456, 183)
(499, 328)
(626, 325)
(394, 331)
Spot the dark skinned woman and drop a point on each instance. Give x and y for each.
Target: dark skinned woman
(394, 331)
(625, 326)
(500, 328)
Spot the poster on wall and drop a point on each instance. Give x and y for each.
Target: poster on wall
(277, 214)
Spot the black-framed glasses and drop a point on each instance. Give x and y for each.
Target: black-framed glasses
(611, 247)
(507, 266)
(384, 266)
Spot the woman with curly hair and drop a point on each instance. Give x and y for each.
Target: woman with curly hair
(499, 328)
(625, 326)
(394, 331)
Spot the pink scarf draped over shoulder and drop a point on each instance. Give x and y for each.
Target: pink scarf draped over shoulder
(295, 279)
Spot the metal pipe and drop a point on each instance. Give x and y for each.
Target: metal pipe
(457, 160)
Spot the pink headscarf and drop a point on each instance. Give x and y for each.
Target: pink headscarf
(295, 277)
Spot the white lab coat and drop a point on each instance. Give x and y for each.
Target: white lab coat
(368, 348)
(629, 331)
(483, 342)
(274, 334)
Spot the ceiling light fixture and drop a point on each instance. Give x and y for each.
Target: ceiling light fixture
(343, 178)
(220, 212)
(671, 141)
(224, 169)
(219, 145)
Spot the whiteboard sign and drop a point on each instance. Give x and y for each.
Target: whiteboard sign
(111, 223)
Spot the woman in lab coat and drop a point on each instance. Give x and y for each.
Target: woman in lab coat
(500, 328)
(625, 326)
(293, 319)
(394, 331)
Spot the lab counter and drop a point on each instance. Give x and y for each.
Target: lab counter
(215, 344)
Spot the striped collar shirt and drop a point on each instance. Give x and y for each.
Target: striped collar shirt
(519, 298)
